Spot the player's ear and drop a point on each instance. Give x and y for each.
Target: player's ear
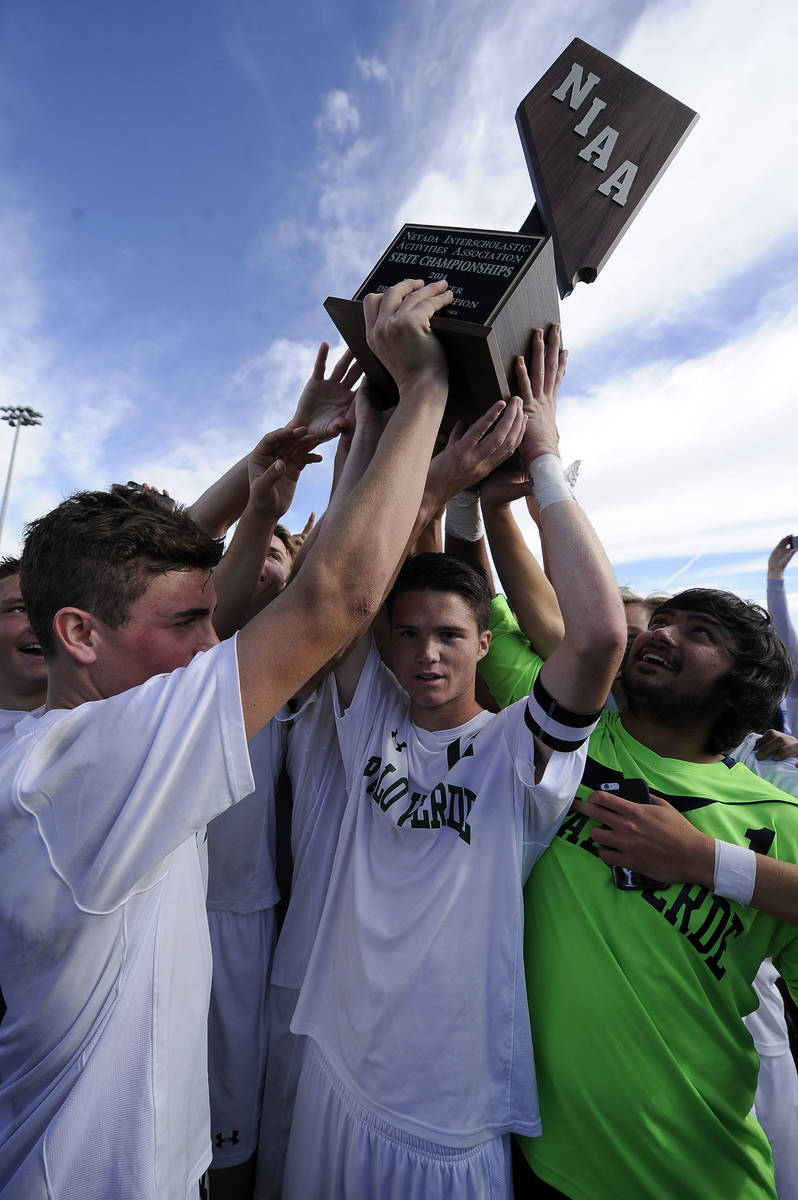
(76, 634)
(484, 643)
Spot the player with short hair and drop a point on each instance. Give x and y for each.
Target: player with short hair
(659, 1065)
(103, 797)
(419, 1060)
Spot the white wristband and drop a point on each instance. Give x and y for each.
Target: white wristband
(735, 872)
(548, 481)
(463, 518)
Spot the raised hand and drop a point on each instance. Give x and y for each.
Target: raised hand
(538, 388)
(274, 467)
(324, 402)
(472, 453)
(504, 485)
(303, 533)
(398, 330)
(780, 555)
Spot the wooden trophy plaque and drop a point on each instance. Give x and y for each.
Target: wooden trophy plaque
(504, 286)
(597, 137)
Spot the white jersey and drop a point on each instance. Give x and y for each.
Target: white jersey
(415, 987)
(8, 719)
(318, 788)
(767, 1024)
(241, 862)
(776, 1102)
(103, 936)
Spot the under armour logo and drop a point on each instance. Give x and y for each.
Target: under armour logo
(221, 1140)
(395, 735)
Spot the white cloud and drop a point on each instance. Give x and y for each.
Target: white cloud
(681, 458)
(372, 68)
(445, 149)
(686, 458)
(339, 114)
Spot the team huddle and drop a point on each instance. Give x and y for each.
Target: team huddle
(323, 863)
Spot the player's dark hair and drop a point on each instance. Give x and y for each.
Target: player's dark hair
(8, 566)
(762, 671)
(288, 540)
(131, 487)
(98, 551)
(444, 573)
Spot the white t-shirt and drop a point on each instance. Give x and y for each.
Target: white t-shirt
(103, 936)
(767, 1024)
(415, 987)
(8, 719)
(318, 789)
(241, 853)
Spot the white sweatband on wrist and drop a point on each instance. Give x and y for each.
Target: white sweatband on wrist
(735, 872)
(463, 518)
(548, 480)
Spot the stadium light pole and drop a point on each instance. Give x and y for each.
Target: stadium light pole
(15, 416)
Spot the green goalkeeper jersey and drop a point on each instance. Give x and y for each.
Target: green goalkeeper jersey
(646, 1072)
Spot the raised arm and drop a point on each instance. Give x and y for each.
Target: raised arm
(528, 590)
(470, 455)
(273, 466)
(223, 502)
(580, 671)
(370, 424)
(321, 410)
(341, 584)
(325, 400)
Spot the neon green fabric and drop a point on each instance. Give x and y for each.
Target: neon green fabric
(646, 1073)
(511, 665)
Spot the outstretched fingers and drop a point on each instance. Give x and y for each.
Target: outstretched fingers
(384, 304)
(546, 370)
(320, 365)
(342, 368)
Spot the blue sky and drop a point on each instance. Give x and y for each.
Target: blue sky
(181, 185)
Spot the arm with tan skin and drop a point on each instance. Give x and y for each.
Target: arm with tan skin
(474, 552)
(223, 502)
(430, 539)
(528, 590)
(345, 574)
(658, 841)
(313, 530)
(580, 670)
(468, 455)
(274, 467)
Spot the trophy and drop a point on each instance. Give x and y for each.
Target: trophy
(597, 138)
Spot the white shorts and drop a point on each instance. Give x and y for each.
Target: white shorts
(338, 1150)
(283, 1065)
(241, 945)
(776, 1108)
